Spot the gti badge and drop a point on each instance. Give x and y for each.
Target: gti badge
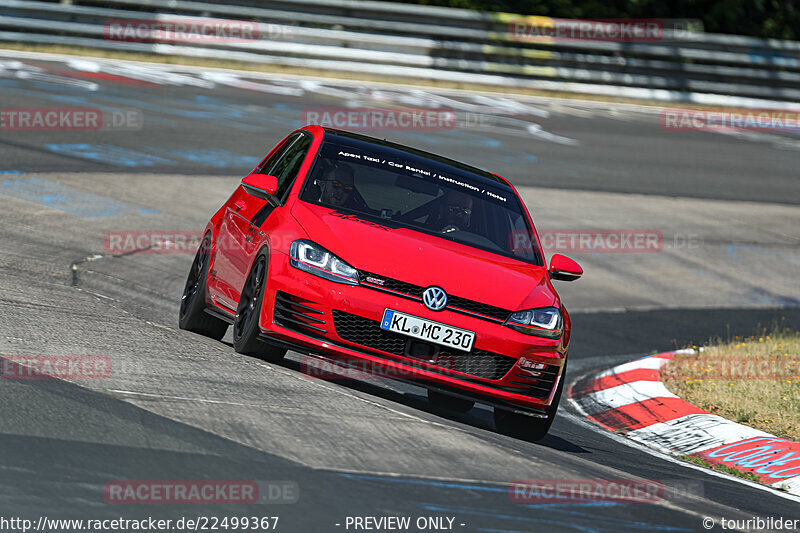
(434, 298)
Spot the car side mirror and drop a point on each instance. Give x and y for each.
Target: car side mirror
(562, 268)
(261, 186)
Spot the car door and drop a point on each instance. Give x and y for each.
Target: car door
(286, 169)
(232, 244)
(245, 227)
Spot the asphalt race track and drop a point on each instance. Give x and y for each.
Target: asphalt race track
(178, 406)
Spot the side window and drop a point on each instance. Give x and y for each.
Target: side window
(288, 166)
(266, 165)
(285, 167)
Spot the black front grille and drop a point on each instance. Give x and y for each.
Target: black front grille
(296, 314)
(476, 307)
(368, 333)
(539, 384)
(392, 284)
(454, 303)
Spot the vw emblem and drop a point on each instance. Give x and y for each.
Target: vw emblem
(434, 298)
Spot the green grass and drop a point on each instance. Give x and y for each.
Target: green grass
(738, 380)
(721, 468)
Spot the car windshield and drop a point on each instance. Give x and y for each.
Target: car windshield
(406, 189)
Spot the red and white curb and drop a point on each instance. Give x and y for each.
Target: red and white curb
(631, 399)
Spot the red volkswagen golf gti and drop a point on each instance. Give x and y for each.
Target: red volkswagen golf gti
(378, 254)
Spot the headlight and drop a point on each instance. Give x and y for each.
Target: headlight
(316, 260)
(542, 322)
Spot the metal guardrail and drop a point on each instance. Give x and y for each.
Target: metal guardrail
(403, 40)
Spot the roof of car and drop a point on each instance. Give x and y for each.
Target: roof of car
(342, 134)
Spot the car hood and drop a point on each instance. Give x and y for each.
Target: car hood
(421, 259)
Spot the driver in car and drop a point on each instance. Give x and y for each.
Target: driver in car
(455, 211)
(337, 189)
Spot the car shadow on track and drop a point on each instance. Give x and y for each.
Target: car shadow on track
(413, 396)
(64, 447)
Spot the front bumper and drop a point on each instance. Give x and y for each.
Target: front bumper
(314, 315)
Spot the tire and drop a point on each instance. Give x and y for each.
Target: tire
(449, 403)
(527, 427)
(192, 315)
(245, 324)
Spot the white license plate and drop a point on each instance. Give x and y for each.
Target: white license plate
(427, 330)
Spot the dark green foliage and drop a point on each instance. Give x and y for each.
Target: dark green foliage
(779, 19)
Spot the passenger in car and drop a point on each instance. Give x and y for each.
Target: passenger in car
(455, 212)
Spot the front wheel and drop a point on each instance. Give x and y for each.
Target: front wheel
(245, 324)
(527, 427)
(192, 315)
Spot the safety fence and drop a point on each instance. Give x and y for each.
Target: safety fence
(662, 59)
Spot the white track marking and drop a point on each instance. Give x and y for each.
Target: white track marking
(668, 457)
(622, 395)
